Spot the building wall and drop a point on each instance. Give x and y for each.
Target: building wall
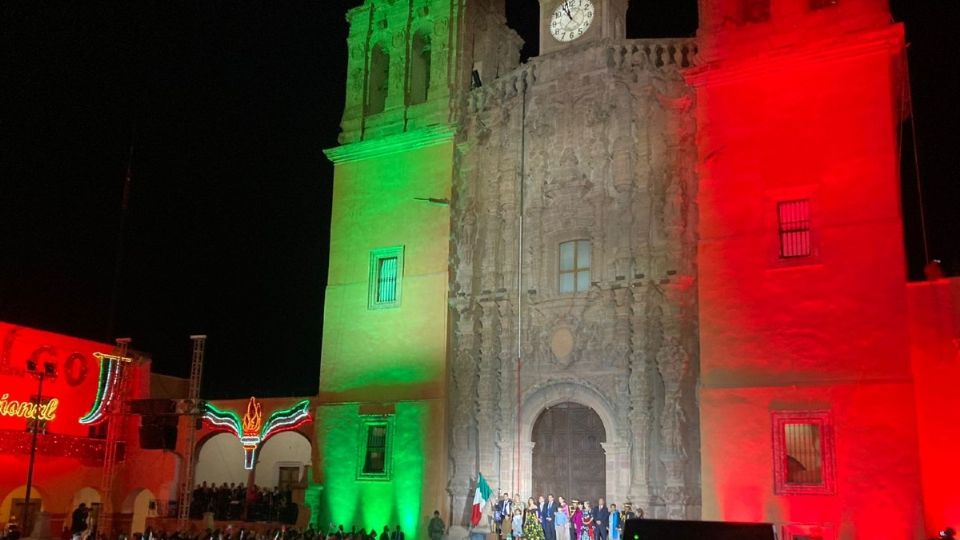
(934, 309)
(816, 119)
(414, 485)
(395, 356)
(68, 460)
(592, 142)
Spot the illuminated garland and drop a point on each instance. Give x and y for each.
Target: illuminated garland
(88, 451)
(251, 430)
(107, 388)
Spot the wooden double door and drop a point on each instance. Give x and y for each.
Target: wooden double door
(568, 459)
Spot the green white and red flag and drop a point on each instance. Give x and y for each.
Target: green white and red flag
(480, 498)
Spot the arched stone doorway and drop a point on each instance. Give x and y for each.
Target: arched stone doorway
(616, 450)
(568, 456)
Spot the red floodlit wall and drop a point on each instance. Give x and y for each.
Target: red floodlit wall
(934, 309)
(815, 119)
(70, 460)
(74, 387)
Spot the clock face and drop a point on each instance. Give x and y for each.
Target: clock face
(571, 19)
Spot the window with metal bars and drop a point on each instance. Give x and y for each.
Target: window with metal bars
(387, 280)
(375, 448)
(821, 4)
(575, 266)
(375, 457)
(803, 452)
(793, 222)
(386, 273)
(754, 11)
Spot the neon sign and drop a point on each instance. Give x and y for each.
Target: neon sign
(251, 429)
(28, 409)
(107, 387)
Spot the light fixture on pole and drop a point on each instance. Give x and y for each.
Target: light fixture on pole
(49, 371)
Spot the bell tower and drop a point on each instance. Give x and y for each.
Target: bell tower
(571, 23)
(382, 402)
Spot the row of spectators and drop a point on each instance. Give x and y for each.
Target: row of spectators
(238, 502)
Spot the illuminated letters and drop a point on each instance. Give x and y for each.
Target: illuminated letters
(28, 409)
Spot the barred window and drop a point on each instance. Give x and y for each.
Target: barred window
(754, 11)
(375, 448)
(387, 280)
(793, 221)
(575, 266)
(808, 531)
(803, 453)
(386, 274)
(821, 4)
(375, 456)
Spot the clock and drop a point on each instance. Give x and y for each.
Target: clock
(571, 19)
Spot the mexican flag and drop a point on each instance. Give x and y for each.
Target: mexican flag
(480, 499)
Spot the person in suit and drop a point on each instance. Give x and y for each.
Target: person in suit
(78, 521)
(503, 510)
(547, 518)
(397, 534)
(601, 519)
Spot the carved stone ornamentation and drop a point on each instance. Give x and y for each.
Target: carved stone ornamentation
(586, 150)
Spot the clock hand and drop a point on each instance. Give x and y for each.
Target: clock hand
(566, 8)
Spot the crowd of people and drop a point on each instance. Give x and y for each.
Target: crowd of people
(237, 502)
(556, 519)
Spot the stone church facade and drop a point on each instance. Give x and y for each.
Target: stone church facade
(534, 268)
(594, 144)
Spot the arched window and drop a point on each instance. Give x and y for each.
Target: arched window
(420, 67)
(575, 266)
(378, 81)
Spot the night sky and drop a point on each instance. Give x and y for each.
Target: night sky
(228, 105)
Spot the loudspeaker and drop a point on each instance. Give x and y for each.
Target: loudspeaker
(664, 529)
(158, 432)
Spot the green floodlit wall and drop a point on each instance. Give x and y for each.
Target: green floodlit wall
(386, 361)
(399, 353)
(414, 488)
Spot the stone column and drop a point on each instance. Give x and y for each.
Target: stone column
(672, 362)
(526, 468)
(618, 470)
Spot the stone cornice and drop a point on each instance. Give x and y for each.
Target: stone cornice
(847, 47)
(401, 142)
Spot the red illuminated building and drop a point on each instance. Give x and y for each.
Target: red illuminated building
(825, 388)
(70, 453)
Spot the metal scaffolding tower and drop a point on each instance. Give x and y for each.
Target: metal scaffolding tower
(185, 492)
(115, 434)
